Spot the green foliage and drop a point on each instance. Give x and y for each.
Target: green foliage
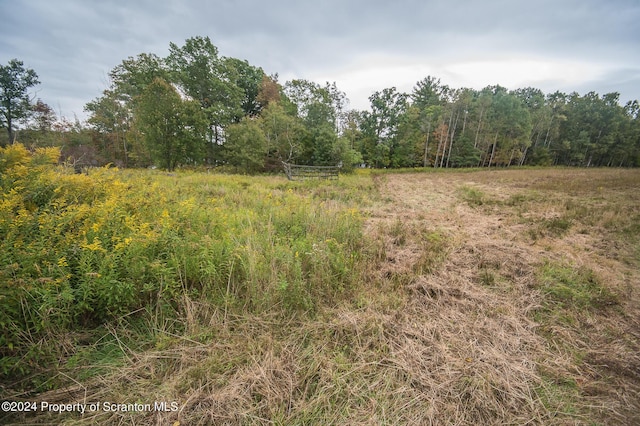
(78, 251)
(112, 115)
(554, 227)
(171, 128)
(487, 277)
(497, 127)
(249, 79)
(209, 80)
(303, 121)
(429, 92)
(133, 75)
(15, 104)
(282, 131)
(540, 156)
(246, 146)
(510, 122)
(317, 105)
(559, 392)
(473, 196)
(557, 225)
(465, 154)
(573, 288)
(381, 125)
(324, 139)
(343, 154)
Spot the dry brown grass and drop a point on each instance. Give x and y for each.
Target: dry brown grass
(459, 320)
(480, 323)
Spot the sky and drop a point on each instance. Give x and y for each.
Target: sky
(362, 46)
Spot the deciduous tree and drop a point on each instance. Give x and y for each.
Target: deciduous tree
(249, 79)
(283, 133)
(381, 124)
(205, 77)
(246, 145)
(15, 104)
(172, 129)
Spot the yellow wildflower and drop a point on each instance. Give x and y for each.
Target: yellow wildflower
(96, 245)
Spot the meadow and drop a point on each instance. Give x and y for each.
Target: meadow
(500, 296)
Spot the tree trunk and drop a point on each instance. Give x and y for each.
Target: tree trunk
(546, 138)
(475, 143)
(426, 145)
(493, 150)
(124, 145)
(524, 156)
(435, 161)
(10, 127)
(444, 149)
(464, 122)
(453, 133)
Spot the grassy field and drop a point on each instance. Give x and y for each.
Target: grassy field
(486, 297)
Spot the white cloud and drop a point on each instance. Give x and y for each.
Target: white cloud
(514, 73)
(361, 78)
(362, 46)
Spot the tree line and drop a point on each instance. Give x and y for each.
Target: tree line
(195, 107)
(437, 126)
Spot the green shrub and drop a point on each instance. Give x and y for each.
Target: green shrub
(79, 251)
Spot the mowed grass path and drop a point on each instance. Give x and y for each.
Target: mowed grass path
(522, 292)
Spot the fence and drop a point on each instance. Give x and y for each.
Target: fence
(298, 172)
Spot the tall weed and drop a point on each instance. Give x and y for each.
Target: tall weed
(79, 251)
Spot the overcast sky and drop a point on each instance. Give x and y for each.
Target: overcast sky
(364, 46)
